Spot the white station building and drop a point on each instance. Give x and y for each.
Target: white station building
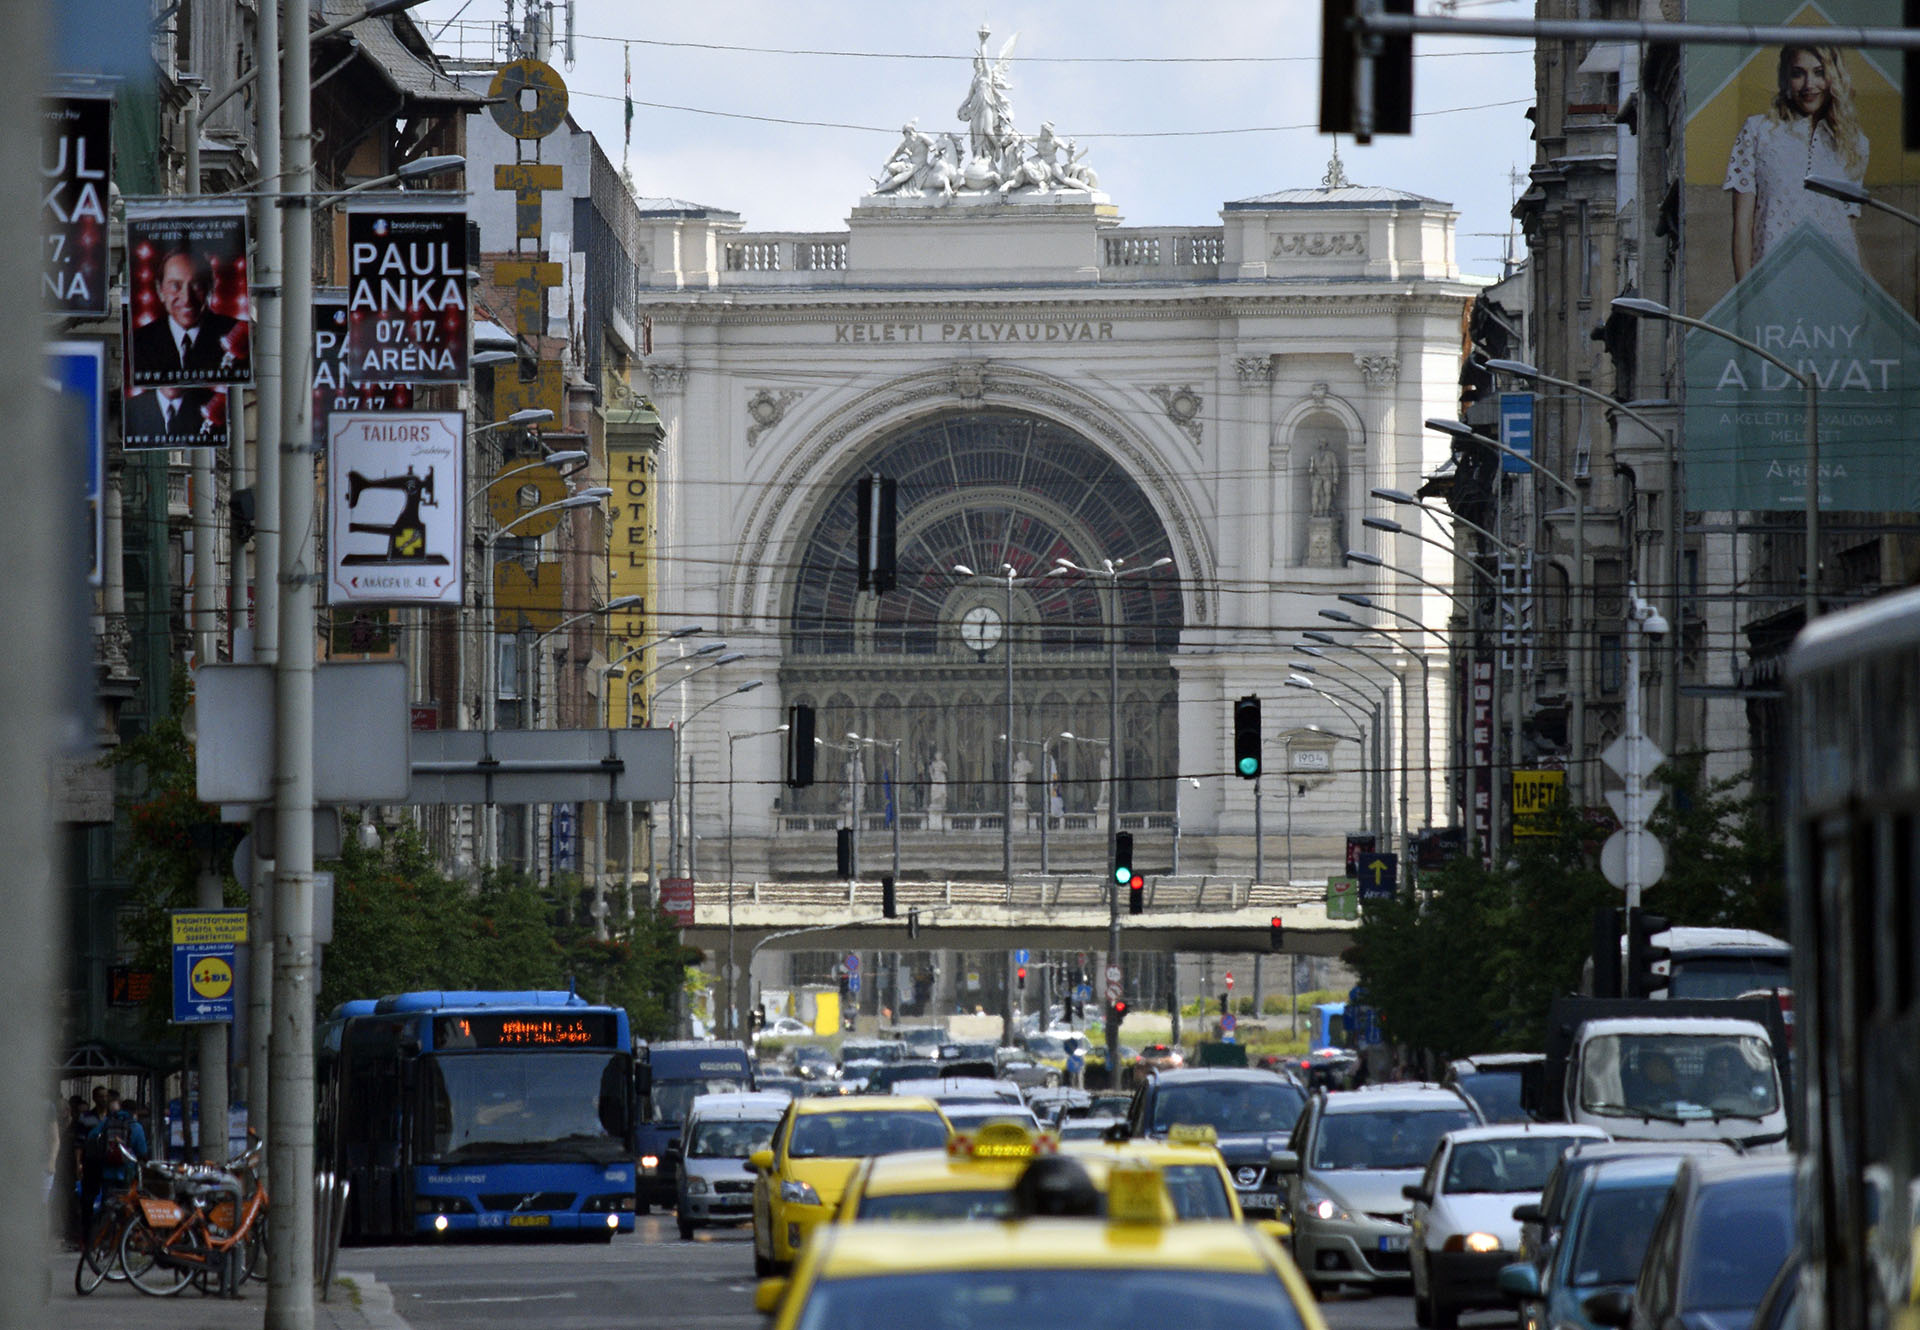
(1042, 382)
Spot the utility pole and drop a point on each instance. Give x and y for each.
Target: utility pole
(290, 1140)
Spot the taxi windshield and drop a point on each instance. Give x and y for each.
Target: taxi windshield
(1229, 1107)
(1027, 1299)
(856, 1135)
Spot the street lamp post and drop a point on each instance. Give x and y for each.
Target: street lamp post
(1359, 715)
(1331, 734)
(490, 659)
(1809, 385)
(614, 671)
(1386, 701)
(733, 1022)
(692, 839)
(1111, 571)
(673, 821)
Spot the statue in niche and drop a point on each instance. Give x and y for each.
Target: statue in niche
(1323, 475)
(1022, 773)
(1323, 549)
(937, 784)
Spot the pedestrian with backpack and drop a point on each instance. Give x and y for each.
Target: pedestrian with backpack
(102, 1162)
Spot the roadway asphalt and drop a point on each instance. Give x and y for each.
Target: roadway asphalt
(651, 1279)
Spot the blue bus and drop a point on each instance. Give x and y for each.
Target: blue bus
(479, 1112)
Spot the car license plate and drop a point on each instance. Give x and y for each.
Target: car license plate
(1394, 1242)
(529, 1221)
(1259, 1200)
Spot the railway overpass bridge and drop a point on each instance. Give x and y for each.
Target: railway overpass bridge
(1054, 913)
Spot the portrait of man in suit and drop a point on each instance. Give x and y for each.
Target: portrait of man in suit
(172, 417)
(189, 342)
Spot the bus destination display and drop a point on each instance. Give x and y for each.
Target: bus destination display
(486, 1029)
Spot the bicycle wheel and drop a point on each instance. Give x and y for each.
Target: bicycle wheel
(141, 1255)
(253, 1251)
(100, 1254)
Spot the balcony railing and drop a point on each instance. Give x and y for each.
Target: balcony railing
(800, 252)
(1129, 254)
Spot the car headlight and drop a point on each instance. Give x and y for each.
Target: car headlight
(1475, 1242)
(799, 1193)
(696, 1186)
(1322, 1206)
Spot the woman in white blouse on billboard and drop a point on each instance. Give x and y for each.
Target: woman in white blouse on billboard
(1811, 129)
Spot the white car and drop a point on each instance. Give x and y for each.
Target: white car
(1462, 1216)
(784, 1027)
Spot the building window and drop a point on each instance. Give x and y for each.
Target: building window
(1613, 669)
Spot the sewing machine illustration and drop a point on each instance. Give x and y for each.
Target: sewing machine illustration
(407, 535)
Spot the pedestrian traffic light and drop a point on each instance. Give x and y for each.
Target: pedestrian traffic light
(1246, 737)
(876, 501)
(843, 851)
(1020, 977)
(1642, 955)
(1277, 934)
(1123, 858)
(799, 746)
(1136, 894)
(1120, 1010)
(889, 901)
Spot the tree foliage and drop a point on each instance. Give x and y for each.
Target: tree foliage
(1473, 964)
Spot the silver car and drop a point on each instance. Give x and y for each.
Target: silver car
(722, 1130)
(1350, 1154)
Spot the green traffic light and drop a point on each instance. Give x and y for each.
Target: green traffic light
(1123, 876)
(1249, 766)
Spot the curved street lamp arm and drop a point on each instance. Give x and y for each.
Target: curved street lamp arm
(1449, 546)
(1460, 430)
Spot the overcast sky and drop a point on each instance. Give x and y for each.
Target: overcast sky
(1077, 64)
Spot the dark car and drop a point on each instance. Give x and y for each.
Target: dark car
(1251, 1112)
(1725, 1231)
(1614, 1203)
(1492, 1083)
(1540, 1225)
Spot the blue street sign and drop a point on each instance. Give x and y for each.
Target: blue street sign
(1020, 956)
(564, 827)
(1076, 1060)
(1083, 992)
(1516, 430)
(853, 983)
(1379, 876)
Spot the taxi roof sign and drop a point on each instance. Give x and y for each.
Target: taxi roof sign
(1193, 1133)
(1136, 1195)
(1001, 1140)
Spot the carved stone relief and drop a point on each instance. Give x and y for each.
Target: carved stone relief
(766, 408)
(1254, 371)
(970, 380)
(667, 378)
(1182, 403)
(1320, 244)
(1378, 371)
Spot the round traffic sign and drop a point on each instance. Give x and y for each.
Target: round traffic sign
(212, 978)
(853, 962)
(1613, 858)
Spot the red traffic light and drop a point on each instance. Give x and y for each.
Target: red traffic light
(1277, 935)
(1120, 1009)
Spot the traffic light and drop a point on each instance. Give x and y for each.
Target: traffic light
(1642, 955)
(1120, 1010)
(876, 501)
(1020, 977)
(757, 1020)
(1123, 858)
(843, 851)
(1226, 1004)
(1246, 737)
(1606, 952)
(799, 746)
(1136, 894)
(1277, 934)
(889, 902)
(1366, 84)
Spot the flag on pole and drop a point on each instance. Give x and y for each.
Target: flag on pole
(886, 783)
(629, 143)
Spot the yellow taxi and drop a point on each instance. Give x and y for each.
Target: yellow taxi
(971, 1179)
(1195, 1177)
(818, 1144)
(1054, 1258)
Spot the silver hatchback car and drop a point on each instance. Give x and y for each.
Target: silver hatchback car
(1348, 1157)
(714, 1186)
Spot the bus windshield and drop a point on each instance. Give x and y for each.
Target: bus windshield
(1726, 976)
(525, 1106)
